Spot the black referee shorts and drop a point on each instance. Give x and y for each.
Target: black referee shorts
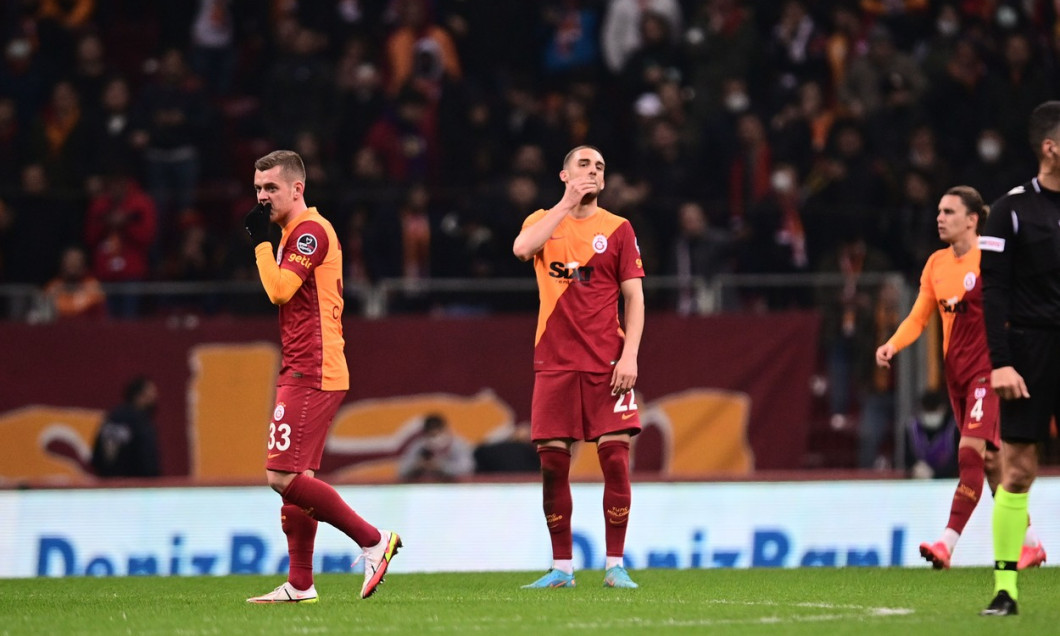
(1036, 357)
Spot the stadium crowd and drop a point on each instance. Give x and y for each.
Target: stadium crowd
(804, 135)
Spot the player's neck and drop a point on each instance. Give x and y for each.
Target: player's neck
(963, 245)
(295, 212)
(584, 211)
(1049, 179)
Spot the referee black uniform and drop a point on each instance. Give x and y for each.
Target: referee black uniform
(1021, 303)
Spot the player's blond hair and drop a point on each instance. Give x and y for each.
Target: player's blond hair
(289, 161)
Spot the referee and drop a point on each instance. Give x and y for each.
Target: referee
(1021, 304)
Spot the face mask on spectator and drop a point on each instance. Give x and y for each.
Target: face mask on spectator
(932, 420)
(737, 102)
(782, 182)
(989, 150)
(947, 28)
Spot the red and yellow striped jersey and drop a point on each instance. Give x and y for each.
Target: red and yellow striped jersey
(953, 286)
(311, 322)
(579, 271)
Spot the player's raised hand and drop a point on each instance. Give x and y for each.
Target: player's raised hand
(580, 190)
(884, 353)
(1008, 384)
(257, 223)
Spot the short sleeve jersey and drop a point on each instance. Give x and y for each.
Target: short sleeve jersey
(311, 322)
(953, 285)
(579, 271)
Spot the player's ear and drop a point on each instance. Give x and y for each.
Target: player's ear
(299, 189)
(564, 175)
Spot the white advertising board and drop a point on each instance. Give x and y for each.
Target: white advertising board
(477, 527)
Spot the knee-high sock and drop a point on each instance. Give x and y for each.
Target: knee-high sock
(614, 462)
(1010, 524)
(322, 502)
(969, 488)
(555, 479)
(301, 531)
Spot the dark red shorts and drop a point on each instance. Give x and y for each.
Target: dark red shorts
(579, 405)
(977, 408)
(299, 427)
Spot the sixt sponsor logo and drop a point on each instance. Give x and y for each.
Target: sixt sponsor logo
(769, 548)
(245, 554)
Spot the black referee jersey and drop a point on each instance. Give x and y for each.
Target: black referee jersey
(1020, 265)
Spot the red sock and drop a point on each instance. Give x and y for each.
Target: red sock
(555, 478)
(969, 488)
(614, 462)
(321, 501)
(301, 531)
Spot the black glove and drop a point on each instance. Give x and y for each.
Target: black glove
(257, 223)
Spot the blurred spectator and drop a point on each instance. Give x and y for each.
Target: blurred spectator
(514, 453)
(405, 139)
(776, 237)
(847, 41)
(120, 233)
(172, 121)
(749, 169)
(110, 133)
(626, 24)
(572, 42)
(22, 79)
(12, 151)
(127, 442)
(883, 76)
(993, 170)
(800, 129)
(876, 392)
(74, 292)
(848, 327)
(59, 23)
(212, 53)
(43, 223)
(7, 219)
(931, 439)
(58, 140)
(699, 252)
(437, 454)
(796, 50)
(419, 52)
(960, 104)
(924, 157)
(912, 230)
(720, 43)
(1014, 92)
(655, 60)
(90, 72)
(359, 98)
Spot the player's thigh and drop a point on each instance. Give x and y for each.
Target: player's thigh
(555, 410)
(606, 413)
(977, 408)
(299, 427)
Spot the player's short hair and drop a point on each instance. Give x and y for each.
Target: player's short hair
(1045, 124)
(289, 161)
(972, 200)
(575, 149)
(134, 388)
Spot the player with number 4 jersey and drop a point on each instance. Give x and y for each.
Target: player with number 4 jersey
(950, 284)
(585, 363)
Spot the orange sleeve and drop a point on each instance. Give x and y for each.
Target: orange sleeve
(919, 315)
(279, 284)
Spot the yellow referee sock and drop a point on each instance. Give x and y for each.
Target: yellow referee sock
(1010, 524)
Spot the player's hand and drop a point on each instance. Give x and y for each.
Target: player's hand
(624, 376)
(580, 190)
(884, 354)
(257, 224)
(1008, 384)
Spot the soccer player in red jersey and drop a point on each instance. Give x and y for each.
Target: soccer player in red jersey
(585, 364)
(304, 277)
(951, 282)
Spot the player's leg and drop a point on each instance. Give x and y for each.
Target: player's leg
(971, 467)
(613, 420)
(297, 437)
(555, 416)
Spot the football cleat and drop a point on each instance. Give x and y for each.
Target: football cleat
(937, 554)
(552, 578)
(1002, 605)
(287, 593)
(1031, 556)
(618, 577)
(376, 561)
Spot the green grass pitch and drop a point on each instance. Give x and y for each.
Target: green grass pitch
(759, 601)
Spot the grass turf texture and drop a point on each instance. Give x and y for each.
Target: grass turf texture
(795, 601)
